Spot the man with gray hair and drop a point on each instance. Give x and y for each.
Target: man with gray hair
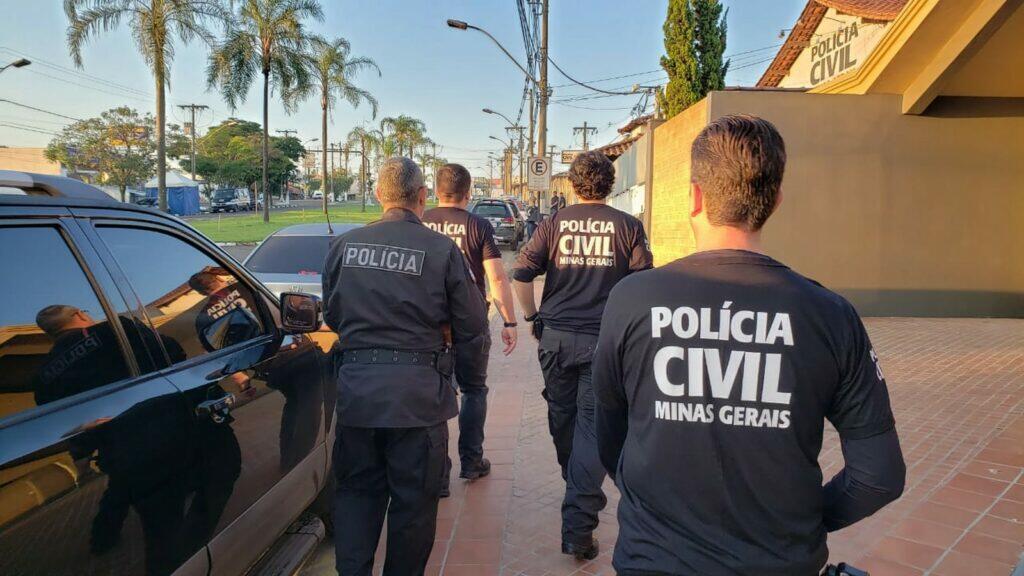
(399, 297)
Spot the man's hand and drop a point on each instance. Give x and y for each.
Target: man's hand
(510, 336)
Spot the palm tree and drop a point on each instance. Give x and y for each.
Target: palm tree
(154, 24)
(406, 129)
(266, 37)
(333, 71)
(367, 141)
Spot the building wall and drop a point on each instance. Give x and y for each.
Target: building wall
(905, 215)
(838, 46)
(27, 160)
(670, 233)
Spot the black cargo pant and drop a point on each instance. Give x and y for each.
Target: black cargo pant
(471, 377)
(393, 471)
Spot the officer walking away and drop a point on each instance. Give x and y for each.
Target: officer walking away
(392, 290)
(714, 375)
(475, 236)
(556, 203)
(584, 250)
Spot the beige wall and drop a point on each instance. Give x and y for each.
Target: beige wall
(670, 233)
(838, 46)
(905, 215)
(27, 160)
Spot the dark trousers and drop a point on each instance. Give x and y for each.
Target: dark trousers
(471, 376)
(393, 471)
(564, 359)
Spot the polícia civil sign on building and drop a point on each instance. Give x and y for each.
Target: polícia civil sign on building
(833, 54)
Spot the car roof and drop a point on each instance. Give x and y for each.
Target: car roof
(315, 229)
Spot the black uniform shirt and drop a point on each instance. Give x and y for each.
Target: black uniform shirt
(585, 250)
(713, 377)
(396, 285)
(473, 234)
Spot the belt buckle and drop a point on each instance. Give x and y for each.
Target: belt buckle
(394, 356)
(416, 358)
(373, 356)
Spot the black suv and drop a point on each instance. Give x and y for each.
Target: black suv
(509, 226)
(160, 410)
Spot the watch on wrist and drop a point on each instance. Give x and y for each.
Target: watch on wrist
(511, 324)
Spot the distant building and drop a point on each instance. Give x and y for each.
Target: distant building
(29, 160)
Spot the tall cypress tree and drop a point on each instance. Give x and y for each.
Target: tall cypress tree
(694, 48)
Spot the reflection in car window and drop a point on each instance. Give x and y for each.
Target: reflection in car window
(55, 339)
(196, 305)
(491, 210)
(290, 255)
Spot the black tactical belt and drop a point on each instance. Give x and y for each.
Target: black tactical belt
(384, 356)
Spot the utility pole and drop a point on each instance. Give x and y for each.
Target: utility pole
(193, 108)
(585, 130)
(542, 121)
(522, 162)
(433, 161)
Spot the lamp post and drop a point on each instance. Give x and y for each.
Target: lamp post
(540, 85)
(19, 63)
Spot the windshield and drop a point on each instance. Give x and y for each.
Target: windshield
(290, 255)
(224, 195)
(491, 210)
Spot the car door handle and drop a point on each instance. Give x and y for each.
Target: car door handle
(217, 409)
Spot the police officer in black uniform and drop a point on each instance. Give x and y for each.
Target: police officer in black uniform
(714, 375)
(584, 250)
(475, 236)
(393, 292)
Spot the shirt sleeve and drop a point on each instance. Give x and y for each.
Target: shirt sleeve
(860, 407)
(873, 476)
(641, 257)
(327, 281)
(612, 409)
(533, 259)
(466, 306)
(488, 246)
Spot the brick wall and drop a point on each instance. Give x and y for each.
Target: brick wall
(670, 235)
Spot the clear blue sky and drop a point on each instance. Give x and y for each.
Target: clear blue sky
(440, 75)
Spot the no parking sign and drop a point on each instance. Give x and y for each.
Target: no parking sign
(539, 177)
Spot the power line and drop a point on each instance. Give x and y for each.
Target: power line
(39, 109)
(27, 129)
(81, 74)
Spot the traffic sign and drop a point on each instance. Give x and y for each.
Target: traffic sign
(569, 155)
(539, 177)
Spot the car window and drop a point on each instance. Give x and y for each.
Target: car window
(290, 255)
(55, 338)
(196, 305)
(491, 210)
(515, 209)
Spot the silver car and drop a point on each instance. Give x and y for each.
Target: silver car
(292, 259)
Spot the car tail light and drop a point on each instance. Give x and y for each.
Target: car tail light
(506, 220)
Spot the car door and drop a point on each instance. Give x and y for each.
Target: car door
(257, 394)
(94, 475)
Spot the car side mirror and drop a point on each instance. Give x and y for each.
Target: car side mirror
(300, 313)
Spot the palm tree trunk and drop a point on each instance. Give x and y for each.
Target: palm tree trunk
(266, 147)
(161, 144)
(323, 155)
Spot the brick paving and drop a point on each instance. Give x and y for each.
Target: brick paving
(957, 388)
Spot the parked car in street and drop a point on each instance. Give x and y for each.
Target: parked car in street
(148, 201)
(318, 195)
(292, 259)
(161, 411)
(233, 200)
(509, 226)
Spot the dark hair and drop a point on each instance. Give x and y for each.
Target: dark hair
(453, 182)
(592, 175)
(738, 161)
(202, 281)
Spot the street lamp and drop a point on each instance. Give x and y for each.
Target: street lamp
(489, 111)
(460, 25)
(19, 63)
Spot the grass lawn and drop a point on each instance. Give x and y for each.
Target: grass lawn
(250, 227)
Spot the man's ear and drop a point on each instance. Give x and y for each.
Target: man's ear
(696, 199)
(376, 194)
(422, 196)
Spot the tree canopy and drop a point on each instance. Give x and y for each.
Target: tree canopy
(228, 155)
(694, 50)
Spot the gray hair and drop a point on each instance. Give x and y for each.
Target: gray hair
(399, 181)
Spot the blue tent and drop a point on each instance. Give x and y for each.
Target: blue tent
(182, 194)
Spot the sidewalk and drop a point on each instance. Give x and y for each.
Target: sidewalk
(957, 388)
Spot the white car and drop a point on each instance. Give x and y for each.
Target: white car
(318, 195)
